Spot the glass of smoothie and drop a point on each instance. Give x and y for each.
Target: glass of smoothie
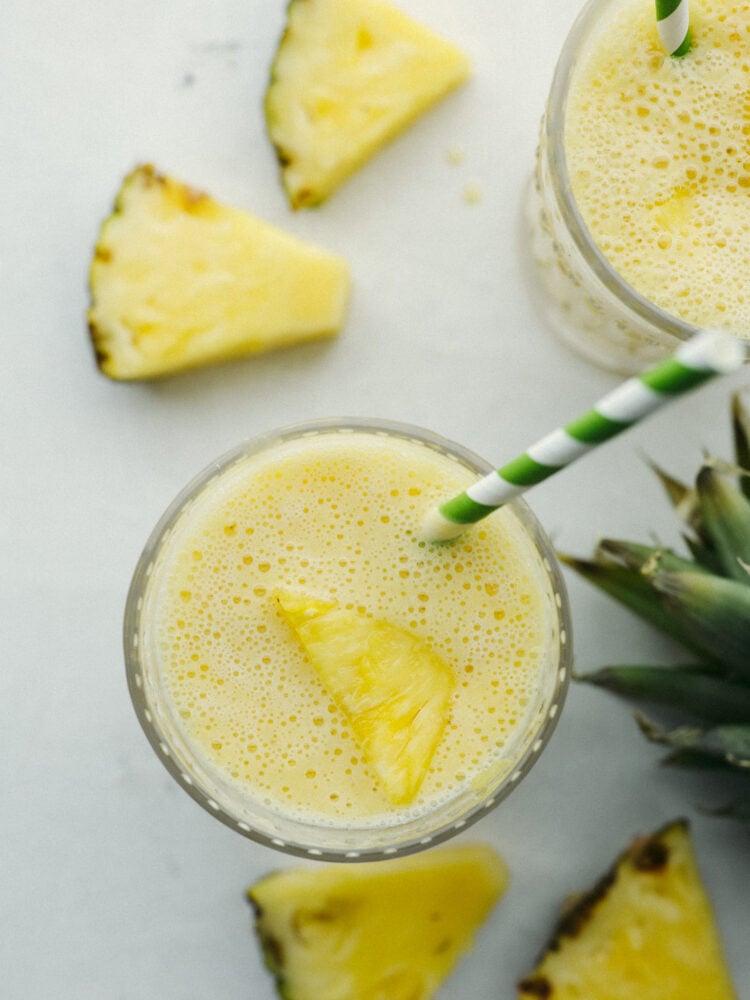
(272, 592)
(639, 208)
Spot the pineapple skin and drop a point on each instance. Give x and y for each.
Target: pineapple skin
(383, 930)
(178, 281)
(348, 77)
(644, 931)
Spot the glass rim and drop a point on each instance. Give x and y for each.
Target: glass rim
(338, 842)
(554, 129)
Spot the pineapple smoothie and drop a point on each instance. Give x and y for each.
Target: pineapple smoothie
(641, 214)
(327, 523)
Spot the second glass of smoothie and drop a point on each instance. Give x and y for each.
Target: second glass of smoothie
(331, 512)
(640, 206)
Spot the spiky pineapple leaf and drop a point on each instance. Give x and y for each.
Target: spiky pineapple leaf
(632, 589)
(681, 496)
(693, 759)
(702, 554)
(715, 614)
(688, 688)
(736, 809)
(645, 558)
(741, 434)
(729, 744)
(726, 518)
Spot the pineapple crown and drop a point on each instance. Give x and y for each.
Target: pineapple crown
(702, 600)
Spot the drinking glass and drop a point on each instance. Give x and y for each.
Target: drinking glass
(228, 800)
(582, 298)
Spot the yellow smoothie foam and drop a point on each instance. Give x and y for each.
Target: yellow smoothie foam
(338, 516)
(658, 153)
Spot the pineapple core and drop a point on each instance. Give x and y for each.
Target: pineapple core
(384, 930)
(179, 281)
(348, 76)
(394, 690)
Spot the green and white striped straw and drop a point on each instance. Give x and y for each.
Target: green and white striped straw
(707, 354)
(673, 25)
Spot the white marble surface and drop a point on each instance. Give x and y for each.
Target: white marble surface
(113, 883)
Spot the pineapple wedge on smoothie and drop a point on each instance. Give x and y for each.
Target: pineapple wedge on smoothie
(349, 76)
(384, 929)
(392, 687)
(179, 281)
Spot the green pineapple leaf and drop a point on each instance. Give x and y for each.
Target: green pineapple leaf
(729, 744)
(689, 688)
(636, 592)
(681, 496)
(726, 518)
(737, 809)
(703, 602)
(702, 554)
(645, 558)
(715, 614)
(695, 759)
(741, 433)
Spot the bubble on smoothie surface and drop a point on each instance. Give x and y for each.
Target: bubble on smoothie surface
(658, 152)
(342, 527)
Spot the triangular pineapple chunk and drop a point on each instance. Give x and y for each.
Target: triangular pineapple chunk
(179, 280)
(384, 930)
(394, 690)
(645, 932)
(348, 76)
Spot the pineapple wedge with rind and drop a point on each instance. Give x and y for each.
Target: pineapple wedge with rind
(392, 687)
(383, 930)
(179, 281)
(347, 78)
(646, 931)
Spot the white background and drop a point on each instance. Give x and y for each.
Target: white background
(113, 883)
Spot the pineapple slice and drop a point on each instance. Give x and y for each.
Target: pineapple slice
(394, 689)
(675, 212)
(383, 930)
(348, 76)
(179, 281)
(645, 932)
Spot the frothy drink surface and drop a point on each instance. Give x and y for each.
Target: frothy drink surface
(336, 516)
(658, 152)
